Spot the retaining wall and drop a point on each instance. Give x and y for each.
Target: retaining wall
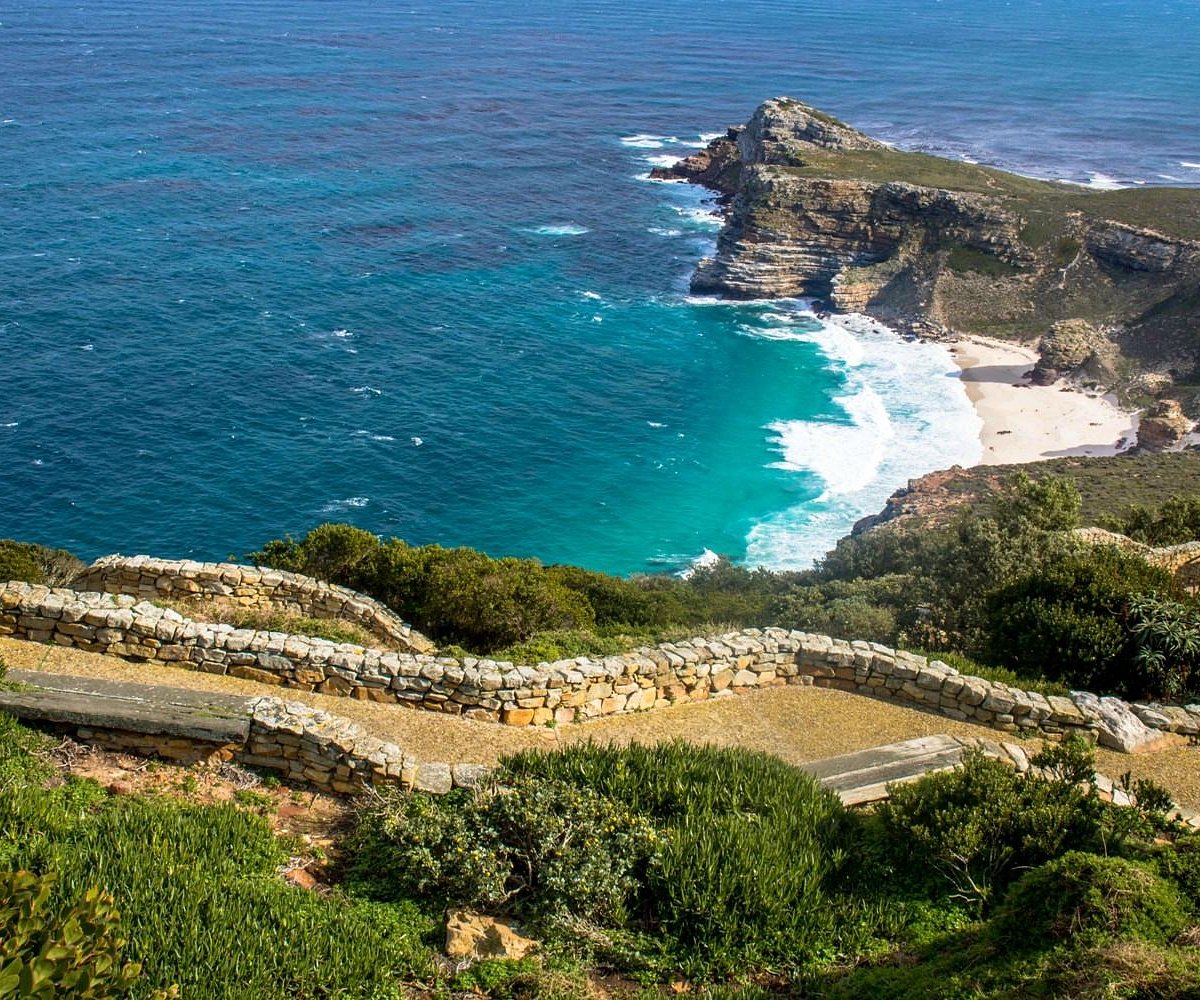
(571, 690)
(249, 587)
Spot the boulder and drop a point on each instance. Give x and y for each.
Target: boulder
(1163, 427)
(1118, 728)
(1069, 345)
(475, 937)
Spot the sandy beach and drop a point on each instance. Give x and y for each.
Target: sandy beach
(1024, 422)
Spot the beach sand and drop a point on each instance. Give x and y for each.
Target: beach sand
(1024, 422)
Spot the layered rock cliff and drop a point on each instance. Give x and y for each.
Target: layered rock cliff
(816, 209)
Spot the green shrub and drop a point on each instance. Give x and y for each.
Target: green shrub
(981, 824)
(1085, 895)
(1179, 862)
(748, 844)
(1176, 521)
(32, 563)
(859, 609)
(1070, 621)
(535, 848)
(1164, 647)
(43, 955)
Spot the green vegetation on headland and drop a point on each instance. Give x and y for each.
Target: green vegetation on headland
(1044, 204)
(721, 872)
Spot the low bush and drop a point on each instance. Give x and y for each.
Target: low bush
(1175, 521)
(979, 826)
(32, 563)
(1179, 862)
(1071, 621)
(748, 845)
(1082, 896)
(537, 849)
(717, 858)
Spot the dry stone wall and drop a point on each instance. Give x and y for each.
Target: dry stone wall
(249, 587)
(582, 688)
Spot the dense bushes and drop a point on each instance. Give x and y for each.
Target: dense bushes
(464, 597)
(1175, 522)
(982, 824)
(36, 563)
(1084, 894)
(1073, 620)
(722, 855)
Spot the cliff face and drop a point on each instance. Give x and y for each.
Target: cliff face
(816, 209)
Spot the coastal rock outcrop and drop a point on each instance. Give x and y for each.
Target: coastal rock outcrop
(1070, 347)
(817, 209)
(1163, 427)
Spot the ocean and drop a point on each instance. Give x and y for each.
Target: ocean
(268, 264)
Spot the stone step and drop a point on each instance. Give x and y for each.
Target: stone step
(141, 708)
(864, 776)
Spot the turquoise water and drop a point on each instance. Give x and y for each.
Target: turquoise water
(268, 264)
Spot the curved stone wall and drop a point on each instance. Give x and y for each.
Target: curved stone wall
(249, 587)
(582, 688)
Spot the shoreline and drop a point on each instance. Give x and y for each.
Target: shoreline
(1023, 422)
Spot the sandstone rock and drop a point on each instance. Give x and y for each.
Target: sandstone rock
(1065, 349)
(474, 936)
(1117, 726)
(1163, 426)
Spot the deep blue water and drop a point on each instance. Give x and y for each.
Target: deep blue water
(265, 264)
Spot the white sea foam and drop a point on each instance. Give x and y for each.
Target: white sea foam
(646, 141)
(343, 334)
(706, 559)
(366, 390)
(655, 423)
(569, 229)
(592, 295)
(1189, 164)
(663, 160)
(373, 437)
(903, 413)
(12, 423)
(417, 442)
(87, 347)
(349, 503)
(660, 231)
(1097, 182)
(705, 217)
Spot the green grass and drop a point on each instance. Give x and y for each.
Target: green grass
(1172, 211)
(197, 890)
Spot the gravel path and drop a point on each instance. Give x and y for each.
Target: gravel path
(795, 723)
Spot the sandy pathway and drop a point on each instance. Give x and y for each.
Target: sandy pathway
(796, 723)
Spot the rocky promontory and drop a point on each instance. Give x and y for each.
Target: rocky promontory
(816, 209)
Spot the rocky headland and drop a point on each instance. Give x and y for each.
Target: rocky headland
(1107, 281)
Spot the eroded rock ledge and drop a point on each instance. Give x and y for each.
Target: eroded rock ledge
(816, 209)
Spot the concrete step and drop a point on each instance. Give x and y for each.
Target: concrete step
(140, 708)
(864, 776)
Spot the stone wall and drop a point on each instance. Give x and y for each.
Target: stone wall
(311, 746)
(249, 587)
(582, 688)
